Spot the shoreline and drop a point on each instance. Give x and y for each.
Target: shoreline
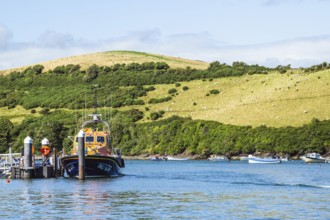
(195, 157)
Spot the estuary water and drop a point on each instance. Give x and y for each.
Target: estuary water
(177, 190)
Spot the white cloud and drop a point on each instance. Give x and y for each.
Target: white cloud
(5, 36)
(54, 39)
(297, 52)
(197, 46)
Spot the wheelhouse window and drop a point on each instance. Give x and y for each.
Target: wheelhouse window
(89, 139)
(100, 139)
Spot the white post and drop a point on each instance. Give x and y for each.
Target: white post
(27, 158)
(81, 154)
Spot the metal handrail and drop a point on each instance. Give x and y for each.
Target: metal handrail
(8, 160)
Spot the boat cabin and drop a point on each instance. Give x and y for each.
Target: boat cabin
(97, 142)
(314, 155)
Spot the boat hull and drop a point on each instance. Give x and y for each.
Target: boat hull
(177, 158)
(95, 166)
(313, 160)
(218, 159)
(264, 161)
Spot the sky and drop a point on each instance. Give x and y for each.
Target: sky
(263, 32)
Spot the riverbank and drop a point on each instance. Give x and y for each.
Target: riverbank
(198, 157)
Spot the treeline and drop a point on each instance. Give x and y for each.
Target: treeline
(118, 85)
(182, 135)
(174, 135)
(319, 67)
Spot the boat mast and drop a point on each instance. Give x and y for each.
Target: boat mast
(95, 104)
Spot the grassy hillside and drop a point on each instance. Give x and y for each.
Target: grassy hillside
(275, 100)
(239, 94)
(113, 57)
(16, 115)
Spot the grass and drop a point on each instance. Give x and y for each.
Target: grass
(275, 100)
(17, 114)
(113, 57)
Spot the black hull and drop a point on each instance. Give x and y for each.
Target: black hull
(95, 166)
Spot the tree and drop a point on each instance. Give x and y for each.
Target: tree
(54, 132)
(38, 69)
(91, 73)
(214, 66)
(171, 91)
(5, 134)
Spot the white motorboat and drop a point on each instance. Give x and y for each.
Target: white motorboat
(176, 158)
(313, 158)
(267, 160)
(218, 158)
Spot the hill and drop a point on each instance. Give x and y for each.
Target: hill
(113, 57)
(275, 100)
(232, 109)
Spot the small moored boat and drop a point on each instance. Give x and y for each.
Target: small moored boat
(314, 158)
(267, 160)
(158, 158)
(177, 158)
(101, 160)
(218, 158)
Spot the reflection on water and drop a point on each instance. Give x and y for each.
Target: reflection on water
(184, 190)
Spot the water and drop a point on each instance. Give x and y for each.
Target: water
(177, 190)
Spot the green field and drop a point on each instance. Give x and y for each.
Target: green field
(275, 100)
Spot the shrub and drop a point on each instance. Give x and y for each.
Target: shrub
(11, 106)
(154, 116)
(135, 114)
(91, 73)
(44, 111)
(150, 88)
(185, 88)
(171, 91)
(214, 91)
(154, 100)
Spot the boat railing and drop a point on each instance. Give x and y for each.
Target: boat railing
(9, 160)
(116, 152)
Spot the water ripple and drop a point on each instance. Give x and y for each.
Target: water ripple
(190, 190)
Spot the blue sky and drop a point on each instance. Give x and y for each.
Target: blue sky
(264, 32)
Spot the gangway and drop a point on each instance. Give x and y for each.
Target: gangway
(9, 160)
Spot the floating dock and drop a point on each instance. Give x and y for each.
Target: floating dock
(25, 166)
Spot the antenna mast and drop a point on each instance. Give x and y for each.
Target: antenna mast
(95, 105)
